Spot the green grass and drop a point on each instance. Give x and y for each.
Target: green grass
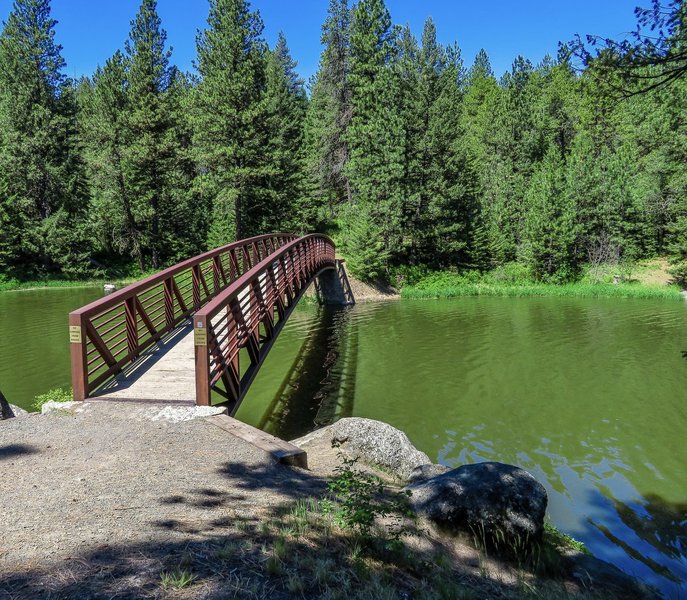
(558, 539)
(450, 285)
(176, 580)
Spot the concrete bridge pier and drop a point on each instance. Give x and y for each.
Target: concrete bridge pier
(333, 288)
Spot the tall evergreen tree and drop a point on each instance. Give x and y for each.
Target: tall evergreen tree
(375, 133)
(439, 179)
(116, 213)
(229, 120)
(285, 104)
(150, 152)
(550, 234)
(41, 185)
(328, 116)
(135, 136)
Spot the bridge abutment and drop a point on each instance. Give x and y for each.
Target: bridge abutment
(333, 287)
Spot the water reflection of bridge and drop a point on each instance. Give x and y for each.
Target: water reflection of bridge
(319, 387)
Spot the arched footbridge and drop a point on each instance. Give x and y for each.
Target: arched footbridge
(204, 325)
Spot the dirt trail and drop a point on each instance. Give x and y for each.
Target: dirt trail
(109, 478)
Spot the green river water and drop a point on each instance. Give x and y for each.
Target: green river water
(588, 395)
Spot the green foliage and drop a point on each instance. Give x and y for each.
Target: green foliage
(328, 117)
(360, 498)
(40, 171)
(286, 104)
(550, 232)
(229, 113)
(679, 273)
(364, 246)
(54, 395)
(555, 537)
(423, 164)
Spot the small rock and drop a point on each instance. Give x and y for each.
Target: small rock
(18, 412)
(425, 472)
(62, 407)
(177, 414)
(501, 503)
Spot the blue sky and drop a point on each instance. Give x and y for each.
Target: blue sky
(92, 30)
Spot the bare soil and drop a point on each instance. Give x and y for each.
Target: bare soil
(113, 501)
(653, 272)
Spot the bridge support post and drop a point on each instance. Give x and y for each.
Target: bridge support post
(79, 356)
(200, 343)
(333, 287)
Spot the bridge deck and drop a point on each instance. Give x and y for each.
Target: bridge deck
(165, 373)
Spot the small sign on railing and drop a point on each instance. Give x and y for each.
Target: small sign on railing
(75, 334)
(200, 336)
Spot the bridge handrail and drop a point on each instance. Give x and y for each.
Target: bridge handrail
(141, 313)
(233, 319)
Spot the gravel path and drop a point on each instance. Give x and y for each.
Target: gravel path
(111, 480)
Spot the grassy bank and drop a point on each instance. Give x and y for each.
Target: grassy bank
(452, 285)
(10, 285)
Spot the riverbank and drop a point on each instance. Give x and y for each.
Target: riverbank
(123, 501)
(455, 289)
(652, 281)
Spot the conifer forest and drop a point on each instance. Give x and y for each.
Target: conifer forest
(412, 156)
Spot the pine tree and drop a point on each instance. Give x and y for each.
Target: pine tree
(136, 137)
(478, 106)
(328, 116)
(511, 161)
(41, 184)
(116, 213)
(229, 120)
(285, 104)
(150, 152)
(550, 236)
(375, 133)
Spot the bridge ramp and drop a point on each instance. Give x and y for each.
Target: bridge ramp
(164, 374)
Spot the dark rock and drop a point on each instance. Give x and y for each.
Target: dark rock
(6, 411)
(425, 472)
(501, 504)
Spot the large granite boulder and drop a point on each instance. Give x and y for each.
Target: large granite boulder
(372, 442)
(378, 443)
(501, 504)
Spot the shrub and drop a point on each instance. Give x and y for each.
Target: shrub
(54, 395)
(679, 273)
(512, 273)
(359, 498)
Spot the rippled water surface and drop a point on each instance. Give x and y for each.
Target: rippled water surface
(589, 395)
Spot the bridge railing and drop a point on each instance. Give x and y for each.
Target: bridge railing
(249, 315)
(111, 332)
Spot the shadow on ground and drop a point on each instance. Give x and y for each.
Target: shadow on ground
(10, 451)
(240, 542)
